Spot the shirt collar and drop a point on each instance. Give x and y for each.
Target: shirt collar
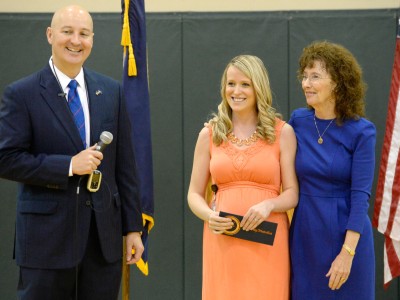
(64, 79)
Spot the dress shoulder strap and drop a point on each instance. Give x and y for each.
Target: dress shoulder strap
(210, 138)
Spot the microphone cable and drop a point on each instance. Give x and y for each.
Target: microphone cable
(75, 238)
(75, 256)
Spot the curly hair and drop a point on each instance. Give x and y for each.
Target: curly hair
(344, 70)
(254, 69)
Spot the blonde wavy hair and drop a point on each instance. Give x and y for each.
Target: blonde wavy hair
(254, 69)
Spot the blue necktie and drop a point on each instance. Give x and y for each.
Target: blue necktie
(75, 105)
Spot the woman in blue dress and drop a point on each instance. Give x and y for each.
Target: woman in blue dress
(331, 241)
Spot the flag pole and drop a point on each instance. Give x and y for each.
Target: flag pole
(125, 274)
(387, 198)
(135, 86)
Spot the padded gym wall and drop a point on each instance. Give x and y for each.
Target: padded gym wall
(187, 53)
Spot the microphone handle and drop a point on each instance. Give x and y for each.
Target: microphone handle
(100, 146)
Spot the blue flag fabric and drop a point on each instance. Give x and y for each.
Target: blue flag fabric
(136, 91)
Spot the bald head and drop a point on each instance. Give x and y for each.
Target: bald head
(69, 12)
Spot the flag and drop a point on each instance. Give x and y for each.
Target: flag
(136, 92)
(387, 209)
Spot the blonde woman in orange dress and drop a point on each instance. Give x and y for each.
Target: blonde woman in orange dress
(249, 153)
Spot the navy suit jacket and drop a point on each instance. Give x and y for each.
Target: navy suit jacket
(38, 138)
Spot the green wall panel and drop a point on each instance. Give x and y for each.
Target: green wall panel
(187, 53)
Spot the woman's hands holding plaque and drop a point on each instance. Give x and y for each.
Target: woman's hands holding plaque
(219, 224)
(256, 214)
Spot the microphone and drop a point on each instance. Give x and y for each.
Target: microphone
(62, 94)
(105, 139)
(94, 180)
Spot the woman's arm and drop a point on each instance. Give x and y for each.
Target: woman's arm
(200, 176)
(198, 184)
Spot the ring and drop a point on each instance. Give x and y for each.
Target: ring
(342, 279)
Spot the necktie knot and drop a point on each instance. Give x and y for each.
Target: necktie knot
(73, 84)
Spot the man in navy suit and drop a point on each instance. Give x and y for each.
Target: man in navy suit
(68, 241)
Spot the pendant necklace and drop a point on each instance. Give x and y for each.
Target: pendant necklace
(321, 140)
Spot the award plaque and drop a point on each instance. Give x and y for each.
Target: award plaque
(263, 233)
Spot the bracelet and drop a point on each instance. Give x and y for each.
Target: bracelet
(348, 249)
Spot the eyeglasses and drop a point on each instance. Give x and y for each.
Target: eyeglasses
(312, 78)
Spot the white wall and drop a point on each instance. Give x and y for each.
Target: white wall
(199, 5)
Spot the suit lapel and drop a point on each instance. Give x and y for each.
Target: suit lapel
(95, 92)
(59, 106)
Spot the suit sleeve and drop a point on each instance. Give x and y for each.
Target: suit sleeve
(126, 174)
(17, 160)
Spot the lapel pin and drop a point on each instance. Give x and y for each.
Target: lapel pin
(98, 92)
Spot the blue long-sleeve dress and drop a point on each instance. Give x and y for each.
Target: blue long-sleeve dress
(335, 180)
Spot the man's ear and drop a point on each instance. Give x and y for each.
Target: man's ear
(49, 34)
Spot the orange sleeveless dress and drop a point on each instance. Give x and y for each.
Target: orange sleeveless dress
(234, 268)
